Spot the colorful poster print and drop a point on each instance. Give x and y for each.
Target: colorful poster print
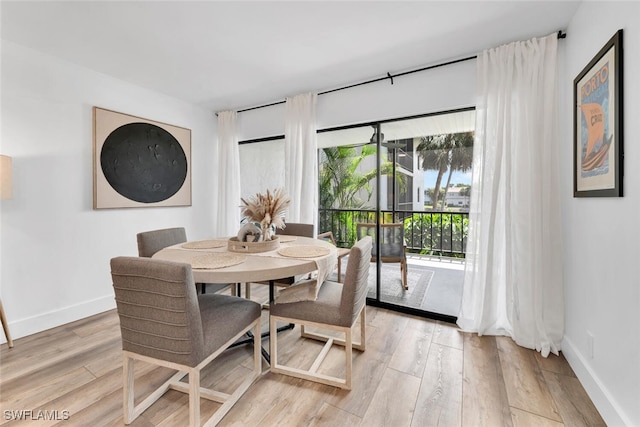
(597, 132)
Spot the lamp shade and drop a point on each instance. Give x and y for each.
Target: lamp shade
(5, 178)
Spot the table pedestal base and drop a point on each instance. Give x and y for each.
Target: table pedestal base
(249, 339)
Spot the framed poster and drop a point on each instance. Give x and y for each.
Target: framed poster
(139, 162)
(597, 124)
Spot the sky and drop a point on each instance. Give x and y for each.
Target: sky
(457, 178)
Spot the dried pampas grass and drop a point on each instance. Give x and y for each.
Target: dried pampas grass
(267, 209)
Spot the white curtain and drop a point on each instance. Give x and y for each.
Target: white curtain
(513, 279)
(301, 158)
(228, 203)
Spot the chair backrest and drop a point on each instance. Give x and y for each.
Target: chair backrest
(327, 236)
(158, 309)
(150, 242)
(297, 229)
(391, 238)
(354, 289)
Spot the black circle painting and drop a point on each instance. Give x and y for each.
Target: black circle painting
(143, 162)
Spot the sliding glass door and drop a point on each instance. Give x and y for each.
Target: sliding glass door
(348, 184)
(404, 182)
(407, 184)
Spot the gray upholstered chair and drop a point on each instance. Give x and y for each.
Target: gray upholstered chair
(164, 321)
(150, 242)
(392, 245)
(342, 252)
(297, 229)
(291, 229)
(294, 229)
(337, 308)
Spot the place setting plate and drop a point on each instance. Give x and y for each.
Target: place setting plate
(213, 260)
(302, 251)
(205, 244)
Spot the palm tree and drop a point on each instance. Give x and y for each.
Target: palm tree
(434, 153)
(461, 157)
(444, 152)
(340, 180)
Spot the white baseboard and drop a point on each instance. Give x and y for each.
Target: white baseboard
(51, 319)
(601, 397)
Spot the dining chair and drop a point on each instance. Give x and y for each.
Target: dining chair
(337, 308)
(163, 321)
(297, 229)
(291, 229)
(150, 242)
(342, 252)
(294, 229)
(392, 245)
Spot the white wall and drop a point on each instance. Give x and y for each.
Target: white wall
(602, 256)
(55, 248)
(420, 93)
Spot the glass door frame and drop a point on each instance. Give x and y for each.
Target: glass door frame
(377, 125)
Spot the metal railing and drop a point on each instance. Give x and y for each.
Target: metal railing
(426, 232)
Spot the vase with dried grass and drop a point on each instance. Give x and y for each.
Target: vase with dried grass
(267, 210)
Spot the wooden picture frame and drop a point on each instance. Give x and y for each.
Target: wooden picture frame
(597, 124)
(139, 162)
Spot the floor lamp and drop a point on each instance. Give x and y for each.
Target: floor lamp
(5, 193)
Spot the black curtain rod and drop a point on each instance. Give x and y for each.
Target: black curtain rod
(561, 35)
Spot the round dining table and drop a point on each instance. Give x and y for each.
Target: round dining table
(213, 262)
(291, 258)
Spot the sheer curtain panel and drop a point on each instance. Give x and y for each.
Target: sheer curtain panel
(301, 158)
(228, 208)
(513, 279)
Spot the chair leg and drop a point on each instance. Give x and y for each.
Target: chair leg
(403, 271)
(273, 342)
(339, 270)
(257, 349)
(194, 397)
(128, 405)
(363, 327)
(132, 411)
(192, 387)
(311, 374)
(349, 358)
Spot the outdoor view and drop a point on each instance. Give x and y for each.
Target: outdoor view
(447, 159)
(420, 195)
(425, 181)
(422, 186)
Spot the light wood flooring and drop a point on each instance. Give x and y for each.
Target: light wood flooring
(415, 372)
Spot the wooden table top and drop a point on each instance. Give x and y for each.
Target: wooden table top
(256, 267)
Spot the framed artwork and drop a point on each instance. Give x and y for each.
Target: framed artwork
(139, 162)
(597, 124)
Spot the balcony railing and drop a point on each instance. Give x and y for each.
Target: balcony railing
(426, 232)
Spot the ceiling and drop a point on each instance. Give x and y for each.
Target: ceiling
(234, 55)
